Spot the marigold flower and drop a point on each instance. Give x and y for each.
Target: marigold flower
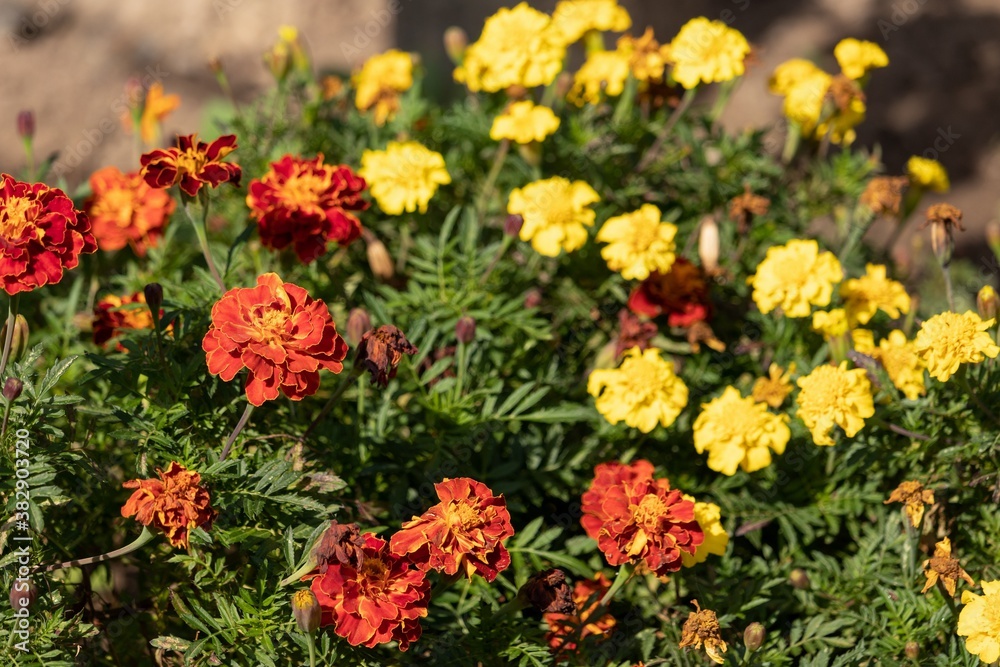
(306, 204)
(111, 319)
(942, 567)
(604, 72)
(176, 503)
(156, 107)
(566, 629)
(380, 601)
(632, 332)
(41, 235)
(647, 57)
(572, 19)
(745, 207)
(517, 47)
(638, 243)
(403, 177)
(790, 74)
(857, 57)
(463, 533)
(865, 296)
(899, 358)
(805, 99)
(709, 517)
(834, 395)
(979, 622)
(635, 518)
(191, 164)
(795, 277)
(915, 496)
(524, 122)
(987, 302)
(380, 352)
(548, 592)
(948, 340)
(306, 610)
(702, 628)
(124, 210)
(556, 214)
(707, 51)
(884, 194)
(927, 174)
(738, 432)
(774, 388)
(681, 294)
(642, 392)
(832, 323)
(280, 334)
(380, 81)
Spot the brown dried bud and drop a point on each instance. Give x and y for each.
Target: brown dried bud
(358, 322)
(512, 225)
(340, 544)
(548, 592)
(12, 388)
(517, 92)
(455, 43)
(912, 650)
(753, 636)
(154, 297)
(943, 219)
(380, 351)
(19, 342)
(884, 194)
(843, 92)
(533, 298)
(987, 302)
(26, 124)
(215, 64)
(799, 579)
(700, 332)
(306, 610)
(23, 594)
(465, 329)
(378, 256)
(743, 208)
(708, 245)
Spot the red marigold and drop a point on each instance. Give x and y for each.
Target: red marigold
(279, 333)
(463, 532)
(191, 164)
(565, 630)
(110, 319)
(124, 210)
(636, 518)
(41, 235)
(307, 204)
(681, 294)
(176, 503)
(380, 601)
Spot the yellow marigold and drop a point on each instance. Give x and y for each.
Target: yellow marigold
(790, 74)
(642, 392)
(524, 122)
(865, 296)
(738, 432)
(902, 363)
(404, 176)
(707, 51)
(380, 81)
(927, 174)
(856, 57)
(639, 243)
(555, 213)
(832, 323)
(948, 340)
(603, 72)
(647, 57)
(709, 517)
(795, 277)
(834, 395)
(518, 47)
(572, 19)
(841, 124)
(804, 101)
(979, 622)
(774, 388)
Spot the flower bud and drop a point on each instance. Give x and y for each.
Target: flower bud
(512, 225)
(306, 610)
(22, 595)
(753, 636)
(912, 650)
(358, 322)
(465, 329)
(26, 124)
(19, 341)
(455, 43)
(378, 257)
(12, 388)
(987, 302)
(154, 297)
(799, 579)
(993, 236)
(708, 245)
(533, 298)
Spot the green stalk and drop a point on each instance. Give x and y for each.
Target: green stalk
(487, 191)
(201, 232)
(236, 431)
(654, 150)
(144, 537)
(332, 401)
(15, 301)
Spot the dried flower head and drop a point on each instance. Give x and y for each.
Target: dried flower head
(702, 629)
(943, 219)
(884, 194)
(341, 544)
(380, 352)
(942, 567)
(915, 496)
(548, 592)
(632, 332)
(566, 629)
(745, 207)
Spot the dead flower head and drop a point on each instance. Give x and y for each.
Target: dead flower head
(915, 496)
(702, 628)
(942, 567)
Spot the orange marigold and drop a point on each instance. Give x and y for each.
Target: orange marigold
(636, 518)
(191, 164)
(41, 235)
(111, 317)
(124, 210)
(381, 600)
(176, 503)
(565, 630)
(464, 532)
(306, 204)
(279, 333)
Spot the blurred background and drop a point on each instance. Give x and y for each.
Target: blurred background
(68, 61)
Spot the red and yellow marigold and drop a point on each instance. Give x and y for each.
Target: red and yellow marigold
(124, 210)
(191, 164)
(565, 630)
(112, 316)
(176, 503)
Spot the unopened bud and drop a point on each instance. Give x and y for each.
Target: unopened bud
(512, 225)
(306, 610)
(358, 322)
(12, 388)
(465, 329)
(23, 594)
(19, 341)
(533, 298)
(455, 43)
(708, 245)
(799, 579)
(26, 124)
(154, 297)
(378, 257)
(987, 302)
(912, 650)
(993, 233)
(753, 636)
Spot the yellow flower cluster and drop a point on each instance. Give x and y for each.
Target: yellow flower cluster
(738, 432)
(706, 51)
(642, 392)
(709, 517)
(403, 177)
(865, 296)
(524, 122)
(556, 214)
(948, 340)
(380, 81)
(572, 19)
(834, 396)
(927, 174)
(979, 622)
(898, 357)
(638, 243)
(795, 277)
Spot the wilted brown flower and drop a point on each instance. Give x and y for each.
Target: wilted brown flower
(943, 219)
(884, 194)
(743, 208)
(701, 332)
(843, 91)
(548, 592)
(380, 351)
(632, 332)
(915, 496)
(702, 628)
(942, 567)
(341, 543)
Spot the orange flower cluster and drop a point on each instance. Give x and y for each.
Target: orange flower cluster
(636, 518)
(382, 599)
(176, 503)
(41, 235)
(681, 294)
(565, 630)
(277, 332)
(124, 210)
(191, 164)
(306, 204)
(110, 319)
(463, 533)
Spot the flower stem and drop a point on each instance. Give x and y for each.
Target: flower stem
(200, 230)
(236, 431)
(312, 649)
(491, 178)
(8, 340)
(654, 150)
(332, 401)
(144, 537)
(625, 573)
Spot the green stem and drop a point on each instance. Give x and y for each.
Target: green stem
(725, 92)
(948, 289)
(145, 536)
(491, 178)
(792, 141)
(654, 150)
(625, 573)
(201, 232)
(855, 233)
(29, 153)
(626, 102)
(236, 431)
(8, 340)
(312, 649)
(504, 245)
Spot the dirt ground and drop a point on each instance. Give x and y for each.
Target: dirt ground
(67, 60)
